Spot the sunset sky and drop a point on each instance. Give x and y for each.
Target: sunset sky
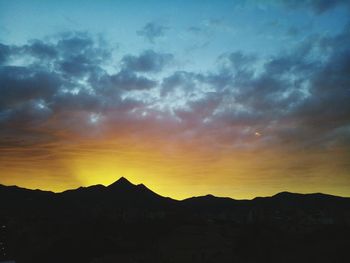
(234, 98)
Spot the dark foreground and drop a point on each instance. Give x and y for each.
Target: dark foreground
(129, 223)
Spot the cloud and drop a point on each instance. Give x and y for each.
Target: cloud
(20, 84)
(40, 49)
(297, 98)
(56, 86)
(42, 80)
(147, 61)
(128, 80)
(180, 80)
(327, 107)
(152, 31)
(317, 6)
(237, 60)
(4, 53)
(75, 42)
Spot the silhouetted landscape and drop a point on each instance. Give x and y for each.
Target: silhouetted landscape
(235, 114)
(124, 222)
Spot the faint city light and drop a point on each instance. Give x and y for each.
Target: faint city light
(258, 134)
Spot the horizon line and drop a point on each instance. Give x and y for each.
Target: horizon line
(122, 177)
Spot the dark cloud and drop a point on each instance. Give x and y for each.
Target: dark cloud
(321, 6)
(195, 29)
(328, 107)
(147, 61)
(237, 60)
(77, 65)
(318, 6)
(197, 112)
(180, 80)
(5, 52)
(128, 80)
(59, 83)
(151, 31)
(41, 50)
(21, 84)
(25, 115)
(298, 98)
(76, 42)
(82, 101)
(81, 55)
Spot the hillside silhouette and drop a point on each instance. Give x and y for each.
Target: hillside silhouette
(124, 222)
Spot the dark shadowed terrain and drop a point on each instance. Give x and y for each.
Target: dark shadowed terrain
(130, 223)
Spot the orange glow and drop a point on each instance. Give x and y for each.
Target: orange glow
(178, 171)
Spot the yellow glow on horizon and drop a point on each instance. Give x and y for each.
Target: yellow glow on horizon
(179, 171)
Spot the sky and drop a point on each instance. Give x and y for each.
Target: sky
(238, 98)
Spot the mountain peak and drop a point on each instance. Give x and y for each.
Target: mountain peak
(122, 181)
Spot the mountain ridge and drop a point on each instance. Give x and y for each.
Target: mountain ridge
(95, 221)
(123, 182)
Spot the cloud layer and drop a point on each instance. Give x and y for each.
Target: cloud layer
(297, 98)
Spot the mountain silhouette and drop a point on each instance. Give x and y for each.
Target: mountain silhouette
(122, 183)
(124, 194)
(124, 222)
(121, 194)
